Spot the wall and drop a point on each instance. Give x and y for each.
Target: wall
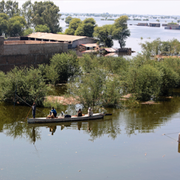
(27, 54)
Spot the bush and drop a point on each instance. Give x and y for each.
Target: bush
(28, 84)
(63, 66)
(144, 82)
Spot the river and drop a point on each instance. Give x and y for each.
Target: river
(138, 143)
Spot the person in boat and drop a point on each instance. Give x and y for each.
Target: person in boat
(34, 110)
(90, 112)
(79, 112)
(53, 112)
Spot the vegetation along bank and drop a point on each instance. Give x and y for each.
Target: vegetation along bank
(103, 81)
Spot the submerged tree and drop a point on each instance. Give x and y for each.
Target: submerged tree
(86, 28)
(120, 30)
(68, 19)
(75, 22)
(104, 35)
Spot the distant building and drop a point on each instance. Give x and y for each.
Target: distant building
(173, 26)
(154, 25)
(142, 24)
(73, 41)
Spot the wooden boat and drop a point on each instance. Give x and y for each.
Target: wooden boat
(65, 119)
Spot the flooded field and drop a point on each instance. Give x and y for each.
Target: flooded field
(130, 144)
(139, 144)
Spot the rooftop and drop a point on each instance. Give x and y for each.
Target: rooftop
(26, 42)
(57, 37)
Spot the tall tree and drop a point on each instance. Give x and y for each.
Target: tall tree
(46, 13)
(9, 7)
(42, 28)
(103, 34)
(16, 26)
(27, 9)
(3, 23)
(86, 28)
(121, 31)
(74, 24)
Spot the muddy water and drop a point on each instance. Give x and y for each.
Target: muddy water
(127, 145)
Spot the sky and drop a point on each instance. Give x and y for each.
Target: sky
(118, 6)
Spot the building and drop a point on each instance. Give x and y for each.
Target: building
(142, 24)
(27, 53)
(154, 25)
(173, 26)
(84, 47)
(73, 41)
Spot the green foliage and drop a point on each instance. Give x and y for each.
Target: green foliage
(63, 66)
(27, 32)
(103, 34)
(144, 82)
(42, 28)
(158, 47)
(10, 8)
(46, 13)
(88, 63)
(75, 22)
(68, 19)
(96, 88)
(170, 78)
(86, 28)
(120, 30)
(27, 10)
(3, 23)
(28, 84)
(16, 26)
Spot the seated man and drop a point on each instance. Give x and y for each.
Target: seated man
(53, 111)
(79, 112)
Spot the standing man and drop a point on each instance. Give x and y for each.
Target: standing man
(34, 109)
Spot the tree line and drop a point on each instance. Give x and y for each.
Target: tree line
(45, 17)
(104, 34)
(41, 16)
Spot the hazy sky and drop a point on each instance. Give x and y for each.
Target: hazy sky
(118, 6)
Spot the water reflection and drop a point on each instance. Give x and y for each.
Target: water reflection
(144, 119)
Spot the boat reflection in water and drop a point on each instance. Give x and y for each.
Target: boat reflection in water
(92, 127)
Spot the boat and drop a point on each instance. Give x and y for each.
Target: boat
(65, 119)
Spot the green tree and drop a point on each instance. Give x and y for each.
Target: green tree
(3, 23)
(104, 35)
(46, 13)
(86, 28)
(16, 26)
(27, 32)
(68, 19)
(75, 22)
(27, 83)
(64, 66)
(144, 82)
(27, 9)
(121, 31)
(42, 28)
(10, 8)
